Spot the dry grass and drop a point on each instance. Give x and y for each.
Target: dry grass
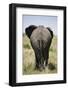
(29, 58)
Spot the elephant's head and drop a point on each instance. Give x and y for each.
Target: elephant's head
(30, 29)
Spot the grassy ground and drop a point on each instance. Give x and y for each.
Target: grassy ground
(29, 58)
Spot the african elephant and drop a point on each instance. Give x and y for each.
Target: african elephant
(40, 38)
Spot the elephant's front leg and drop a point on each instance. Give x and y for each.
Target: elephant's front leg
(46, 59)
(42, 63)
(39, 62)
(46, 56)
(46, 62)
(36, 62)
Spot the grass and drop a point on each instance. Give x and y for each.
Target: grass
(27, 46)
(29, 58)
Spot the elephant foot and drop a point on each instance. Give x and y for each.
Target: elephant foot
(43, 67)
(40, 69)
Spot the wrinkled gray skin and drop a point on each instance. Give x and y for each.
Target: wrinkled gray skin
(40, 38)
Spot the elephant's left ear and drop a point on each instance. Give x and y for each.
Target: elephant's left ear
(50, 31)
(30, 29)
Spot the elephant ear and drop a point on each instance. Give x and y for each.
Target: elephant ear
(29, 30)
(50, 31)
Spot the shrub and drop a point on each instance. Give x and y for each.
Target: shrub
(51, 66)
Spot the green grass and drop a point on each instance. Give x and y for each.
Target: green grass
(27, 46)
(29, 58)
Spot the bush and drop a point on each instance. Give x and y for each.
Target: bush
(51, 66)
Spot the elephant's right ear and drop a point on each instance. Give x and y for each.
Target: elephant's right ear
(50, 31)
(29, 30)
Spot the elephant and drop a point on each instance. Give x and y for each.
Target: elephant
(40, 39)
